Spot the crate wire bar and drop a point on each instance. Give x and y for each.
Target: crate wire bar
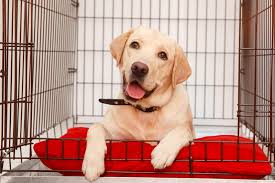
(256, 71)
(36, 79)
(55, 65)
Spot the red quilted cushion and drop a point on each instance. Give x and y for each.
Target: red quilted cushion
(73, 151)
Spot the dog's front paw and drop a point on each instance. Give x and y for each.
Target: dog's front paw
(93, 167)
(163, 156)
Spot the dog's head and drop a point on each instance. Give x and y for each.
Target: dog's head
(151, 65)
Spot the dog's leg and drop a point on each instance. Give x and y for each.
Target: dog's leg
(93, 163)
(167, 150)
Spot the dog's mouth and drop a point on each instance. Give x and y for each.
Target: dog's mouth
(134, 91)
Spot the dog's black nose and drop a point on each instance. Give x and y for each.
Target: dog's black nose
(139, 69)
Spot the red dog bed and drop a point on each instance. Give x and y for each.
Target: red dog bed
(53, 152)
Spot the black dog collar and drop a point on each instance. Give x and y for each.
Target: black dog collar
(123, 102)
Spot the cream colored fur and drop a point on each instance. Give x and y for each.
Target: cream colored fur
(172, 124)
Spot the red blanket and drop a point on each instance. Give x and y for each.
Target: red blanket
(223, 158)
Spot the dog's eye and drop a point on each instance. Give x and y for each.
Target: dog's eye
(162, 55)
(134, 45)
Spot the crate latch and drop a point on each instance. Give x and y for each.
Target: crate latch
(72, 70)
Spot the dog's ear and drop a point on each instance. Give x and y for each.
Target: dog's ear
(118, 44)
(181, 69)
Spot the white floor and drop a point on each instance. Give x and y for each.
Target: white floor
(7, 179)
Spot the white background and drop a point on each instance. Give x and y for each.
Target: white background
(206, 29)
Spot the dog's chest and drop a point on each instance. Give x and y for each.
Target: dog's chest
(154, 126)
(129, 123)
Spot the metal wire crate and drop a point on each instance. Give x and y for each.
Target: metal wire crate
(55, 65)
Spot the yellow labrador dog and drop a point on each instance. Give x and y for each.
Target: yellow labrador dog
(152, 66)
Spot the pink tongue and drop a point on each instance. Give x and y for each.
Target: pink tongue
(135, 91)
